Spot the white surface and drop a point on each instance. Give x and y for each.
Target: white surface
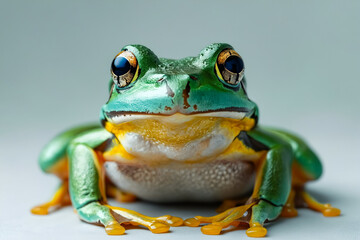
(302, 66)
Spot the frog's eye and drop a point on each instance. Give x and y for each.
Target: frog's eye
(229, 67)
(124, 69)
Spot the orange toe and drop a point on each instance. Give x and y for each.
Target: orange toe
(330, 211)
(289, 212)
(114, 228)
(159, 227)
(211, 229)
(191, 222)
(256, 230)
(38, 210)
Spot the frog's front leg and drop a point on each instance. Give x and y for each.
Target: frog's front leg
(272, 187)
(87, 192)
(53, 159)
(306, 167)
(273, 182)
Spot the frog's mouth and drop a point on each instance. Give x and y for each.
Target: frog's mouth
(118, 117)
(179, 128)
(178, 136)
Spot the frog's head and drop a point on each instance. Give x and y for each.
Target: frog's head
(208, 86)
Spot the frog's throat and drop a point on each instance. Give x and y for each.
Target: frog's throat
(179, 128)
(198, 136)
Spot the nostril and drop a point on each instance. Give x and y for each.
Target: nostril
(193, 77)
(160, 80)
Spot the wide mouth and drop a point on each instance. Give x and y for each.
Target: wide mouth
(119, 117)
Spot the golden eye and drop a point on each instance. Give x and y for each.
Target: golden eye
(124, 68)
(229, 67)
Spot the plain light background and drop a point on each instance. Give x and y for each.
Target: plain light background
(302, 63)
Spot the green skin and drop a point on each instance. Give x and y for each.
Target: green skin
(208, 93)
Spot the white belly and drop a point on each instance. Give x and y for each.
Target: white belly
(178, 181)
(210, 145)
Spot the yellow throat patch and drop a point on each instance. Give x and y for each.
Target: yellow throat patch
(176, 134)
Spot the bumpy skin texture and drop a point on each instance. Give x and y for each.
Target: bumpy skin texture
(176, 105)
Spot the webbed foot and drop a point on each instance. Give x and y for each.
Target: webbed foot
(289, 208)
(115, 219)
(154, 224)
(220, 221)
(60, 198)
(326, 209)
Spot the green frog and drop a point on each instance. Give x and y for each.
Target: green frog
(181, 131)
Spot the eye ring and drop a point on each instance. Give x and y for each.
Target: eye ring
(124, 69)
(229, 67)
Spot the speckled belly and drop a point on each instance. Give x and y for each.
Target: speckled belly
(178, 182)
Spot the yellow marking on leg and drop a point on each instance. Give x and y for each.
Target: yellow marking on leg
(219, 221)
(326, 209)
(289, 207)
(154, 224)
(99, 162)
(60, 168)
(60, 198)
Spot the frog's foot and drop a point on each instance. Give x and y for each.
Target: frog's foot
(326, 209)
(218, 222)
(154, 224)
(289, 207)
(61, 198)
(115, 219)
(119, 195)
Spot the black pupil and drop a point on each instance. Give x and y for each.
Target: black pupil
(120, 66)
(234, 64)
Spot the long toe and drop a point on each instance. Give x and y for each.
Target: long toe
(158, 227)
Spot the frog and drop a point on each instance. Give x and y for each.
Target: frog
(181, 130)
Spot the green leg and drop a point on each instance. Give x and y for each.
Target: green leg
(306, 167)
(272, 187)
(307, 163)
(87, 190)
(273, 184)
(273, 180)
(52, 155)
(53, 159)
